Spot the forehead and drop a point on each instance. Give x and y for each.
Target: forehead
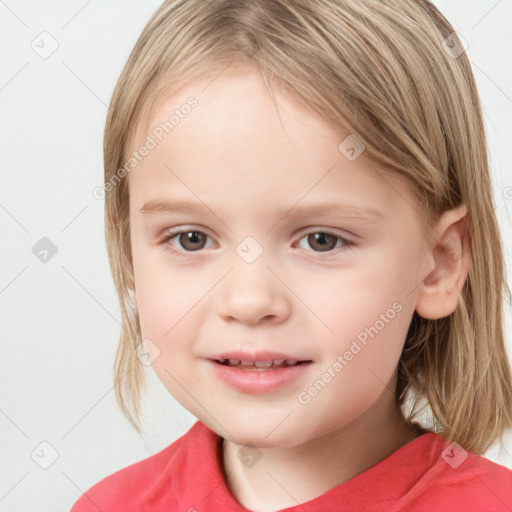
(235, 100)
(248, 143)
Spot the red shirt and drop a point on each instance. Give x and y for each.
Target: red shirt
(425, 475)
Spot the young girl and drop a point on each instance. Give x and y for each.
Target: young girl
(328, 159)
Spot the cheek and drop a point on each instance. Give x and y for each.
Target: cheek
(170, 310)
(366, 311)
(166, 301)
(164, 293)
(172, 302)
(352, 299)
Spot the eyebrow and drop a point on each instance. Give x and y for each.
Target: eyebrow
(365, 214)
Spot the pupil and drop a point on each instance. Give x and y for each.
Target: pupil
(320, 237)
(192, 237)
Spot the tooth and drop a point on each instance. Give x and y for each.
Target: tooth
(291, 362)
(221, 361)
(278, 362)
(261, 364)
(234, 361)
(247, 363)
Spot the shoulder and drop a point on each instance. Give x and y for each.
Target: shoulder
(131, 487)
(464, 481)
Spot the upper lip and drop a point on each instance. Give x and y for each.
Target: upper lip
(263, 355)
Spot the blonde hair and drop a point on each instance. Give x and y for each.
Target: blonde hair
(381, 70)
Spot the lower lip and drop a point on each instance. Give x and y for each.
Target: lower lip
(258, 381)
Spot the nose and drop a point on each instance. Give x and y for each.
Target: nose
(252, 293)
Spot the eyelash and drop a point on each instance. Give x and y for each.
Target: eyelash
(348, 244)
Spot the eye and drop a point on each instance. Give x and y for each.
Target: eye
(191, 240)
(326, 241)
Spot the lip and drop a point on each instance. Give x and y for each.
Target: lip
(258, 381)
(263, 355)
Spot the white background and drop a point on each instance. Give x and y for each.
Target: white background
(60, 319)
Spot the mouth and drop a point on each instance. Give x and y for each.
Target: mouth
(257, 373)
(266, 365)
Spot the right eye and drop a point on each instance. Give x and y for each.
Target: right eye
(191, 240)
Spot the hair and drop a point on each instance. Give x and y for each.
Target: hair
(381, 70)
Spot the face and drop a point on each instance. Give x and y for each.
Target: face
(281, 248)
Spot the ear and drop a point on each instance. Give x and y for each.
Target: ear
(438, 294)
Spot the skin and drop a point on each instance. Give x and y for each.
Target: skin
(247, 163)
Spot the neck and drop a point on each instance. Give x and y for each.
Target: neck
(285, 477)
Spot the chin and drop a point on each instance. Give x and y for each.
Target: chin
(265, 431)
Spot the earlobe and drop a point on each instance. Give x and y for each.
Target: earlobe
(438, 295)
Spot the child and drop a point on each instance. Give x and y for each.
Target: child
(267, 129)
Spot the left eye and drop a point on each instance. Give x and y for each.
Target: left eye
(325, 241)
